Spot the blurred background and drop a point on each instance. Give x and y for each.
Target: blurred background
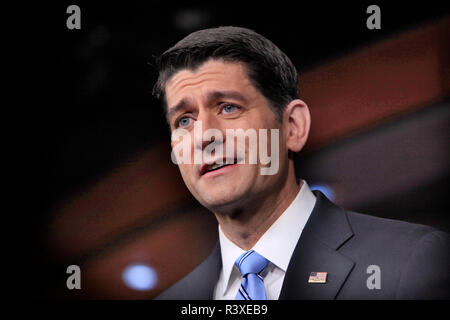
(106, 196)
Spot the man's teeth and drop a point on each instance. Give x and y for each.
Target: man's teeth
(215, 166)
(218, 166)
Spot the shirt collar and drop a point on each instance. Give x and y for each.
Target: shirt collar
(283, 233)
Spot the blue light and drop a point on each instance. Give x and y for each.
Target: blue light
(326, 190)
(140, 277)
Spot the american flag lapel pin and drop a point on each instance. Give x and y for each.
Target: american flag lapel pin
(317, 277)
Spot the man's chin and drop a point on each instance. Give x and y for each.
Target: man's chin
(221, 201)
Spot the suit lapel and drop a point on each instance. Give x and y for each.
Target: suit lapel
(316, 251)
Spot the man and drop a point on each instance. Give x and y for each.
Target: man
(277, 238)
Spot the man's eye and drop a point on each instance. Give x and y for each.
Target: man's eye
(229, 108)
(184, 122)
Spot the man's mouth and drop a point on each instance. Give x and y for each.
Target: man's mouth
(215, 166)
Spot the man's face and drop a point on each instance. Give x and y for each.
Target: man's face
(219, 95)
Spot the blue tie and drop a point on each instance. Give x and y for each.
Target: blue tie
(251, 264)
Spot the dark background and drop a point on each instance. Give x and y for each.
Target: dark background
(95, 110)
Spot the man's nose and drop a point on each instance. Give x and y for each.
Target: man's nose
(211, 131)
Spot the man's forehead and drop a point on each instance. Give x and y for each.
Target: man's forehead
(218, 72)
(211, 77)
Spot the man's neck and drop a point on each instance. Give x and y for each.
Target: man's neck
(247, 227)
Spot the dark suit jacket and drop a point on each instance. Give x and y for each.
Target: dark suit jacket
(413, 259)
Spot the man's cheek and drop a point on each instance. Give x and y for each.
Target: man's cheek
(183, 170)
(187, 172)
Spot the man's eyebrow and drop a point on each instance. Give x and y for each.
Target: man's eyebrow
(177, 108)
(211, 96)
(216, 95)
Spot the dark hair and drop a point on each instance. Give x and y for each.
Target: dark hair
(268, 68)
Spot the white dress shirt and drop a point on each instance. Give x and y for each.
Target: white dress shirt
(277, 245)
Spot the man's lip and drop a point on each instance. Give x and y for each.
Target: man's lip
(219, 171)
(205, 166)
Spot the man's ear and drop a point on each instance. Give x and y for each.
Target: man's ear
(297, 122)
